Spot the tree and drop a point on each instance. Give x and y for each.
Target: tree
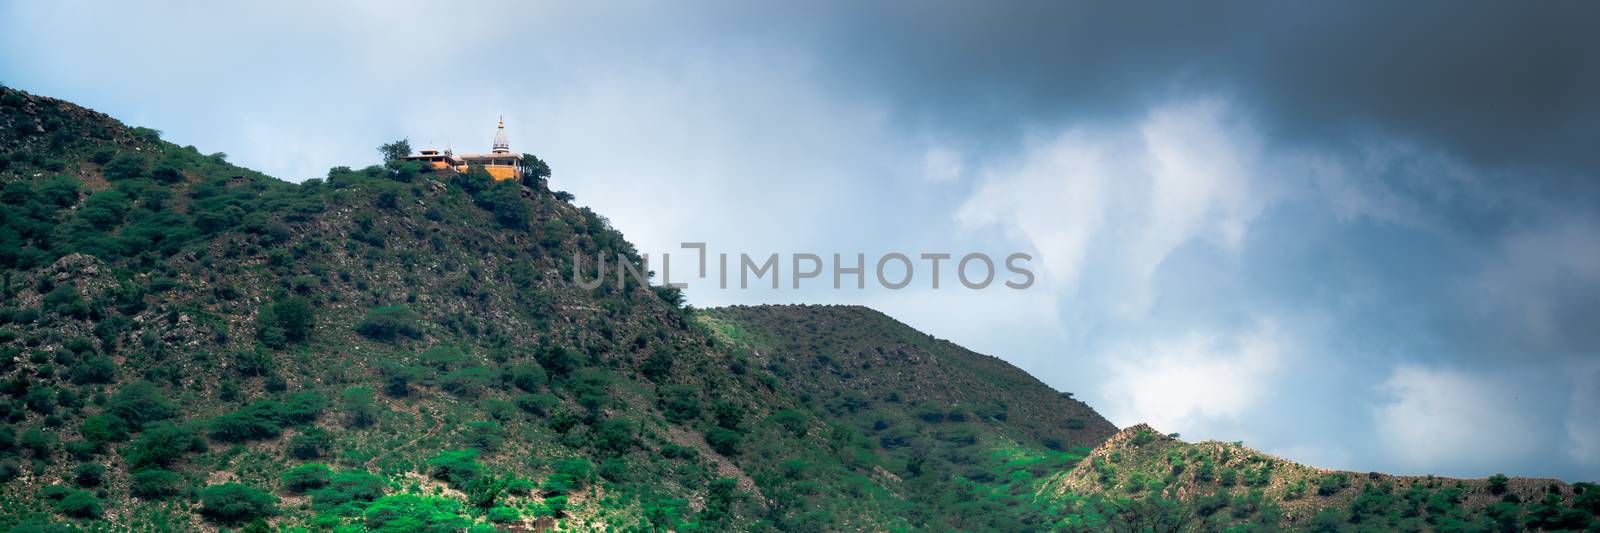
(528, 377)
(389, 323)
(233, 503)
(140, 402)
(1498, 483)
(724, 441)
(306, 477)
(312, 443)
(506, 202)
(348, 487)
(156, 484)
(89, 474)
(395, 150)
(720, 498)
(287, 320)
(168, 171)
(404, 513)
(126, 167)
(456, 467)
(79, 504)
(534, 170)
(163, 444)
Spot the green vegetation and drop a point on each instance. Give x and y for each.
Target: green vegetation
(396, 349)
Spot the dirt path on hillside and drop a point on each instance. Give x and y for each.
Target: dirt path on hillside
(438, 423)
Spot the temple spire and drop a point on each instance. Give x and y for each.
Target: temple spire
(500, 143)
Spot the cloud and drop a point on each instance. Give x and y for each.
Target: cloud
(1128, 194)
(1441, 418)
(1192, 381)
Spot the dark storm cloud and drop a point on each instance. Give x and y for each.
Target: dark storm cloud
(1497, 83)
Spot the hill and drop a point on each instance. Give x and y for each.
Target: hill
(190, 345)
(1144, 480)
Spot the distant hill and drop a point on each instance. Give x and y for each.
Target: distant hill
(186, 344)
(1134, 478)
(853, 360)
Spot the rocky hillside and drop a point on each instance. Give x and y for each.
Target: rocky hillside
(1143, 479)
(858, 363)
(189, 345)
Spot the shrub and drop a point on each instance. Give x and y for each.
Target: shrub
(303, 408)
(725, 441)
(232, 503)
(89, 474)
(126, 167)
(313, 443)
(503, 515)
(1330, 484)
(615, 436)
(404, 513)
(1498, 483)
(156, 484)
(467, 381)
(306, 477)
(139, 403)
(529, 378)
(389, 324)
(348, 487)
(163, 444)
(259, 420)
(104, 428)
(358, 405)
(9, 470)
(397, 380)
(484, 435)
(39, 443)
(559, 361)
(168, 171)
(443, 357)
(96, 369)
(285, 321)
(504, 199)
(728, 414)
(65, 301)
(79, 504)
(680, 403)
(591, 387)
(791, 421)
(455, 467)
(538, 404)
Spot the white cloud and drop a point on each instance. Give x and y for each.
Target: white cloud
(1189, 382)
(1127, 196)
(1440, 418)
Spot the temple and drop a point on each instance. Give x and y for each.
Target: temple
(500, 162)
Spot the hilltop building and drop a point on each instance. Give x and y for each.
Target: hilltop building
(501, 163)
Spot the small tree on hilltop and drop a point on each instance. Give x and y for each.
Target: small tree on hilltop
(534, 170)
(395, 150)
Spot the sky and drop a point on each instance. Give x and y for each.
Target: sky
(1356, 235)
